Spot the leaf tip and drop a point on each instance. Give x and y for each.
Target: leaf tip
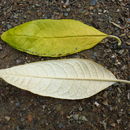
(3, 36)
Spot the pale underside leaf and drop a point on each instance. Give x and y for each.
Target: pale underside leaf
(64, 79)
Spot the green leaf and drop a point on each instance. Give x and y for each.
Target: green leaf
(53, 38)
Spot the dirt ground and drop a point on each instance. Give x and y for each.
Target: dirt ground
(109, 109)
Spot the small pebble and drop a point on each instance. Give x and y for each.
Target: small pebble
(93, 2)
(124, 67)
(118, 121)
(7, 118)
(68, 9)
(75, 116)
(113, 124)
(17, 128)
(96, 103)
(105, 11)
(113, 56)
(80, 108)
(100, 10)
(128, 96)
(18, 61)
(66, 14)
(15, 16)
(44, 107)
(9, 26)
(22, 119)
(66, 4)
(60, 125)
(37, 5)
(104, 124)
(118, 10)
(17, 104)
(121, 51)
(83, 118)
(111, 108)
(79, 117)
(128, 20)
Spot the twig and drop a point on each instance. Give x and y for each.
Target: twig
(117, 25)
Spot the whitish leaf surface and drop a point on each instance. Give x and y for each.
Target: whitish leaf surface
(53, 38)
(65, 79)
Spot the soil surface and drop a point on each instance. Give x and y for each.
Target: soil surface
(107, 110)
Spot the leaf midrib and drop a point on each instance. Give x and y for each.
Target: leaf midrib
(79, 36)
(67, 78)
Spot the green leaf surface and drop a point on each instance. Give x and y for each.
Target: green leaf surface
(53, 38)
